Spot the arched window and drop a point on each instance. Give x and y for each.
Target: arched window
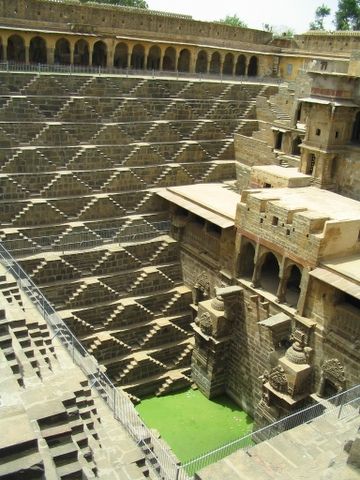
(201, 62)
(15, 49)
(121, 55)
(37, 50)
(169, 59)
(138, 57)
(62, 52)
(81, 53)
(184, 61)
(246, 261)
(228, 64)
(153, 62)
(269, 275)
(240, 68)
(293, 286)
(99, 56)
(253, 67)
(215, 63)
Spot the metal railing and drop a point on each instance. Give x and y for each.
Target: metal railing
(86, 239)
(132, 72)
(159, 456)
(338, 407)
(157, 453)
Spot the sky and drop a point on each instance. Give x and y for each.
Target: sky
(296, 14)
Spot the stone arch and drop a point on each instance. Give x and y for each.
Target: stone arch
(253, 67)
(81, 53)
(292, 289)
(62, 52)
(99, 56)
(154, 57)
(246, 260)
(169, 59)
(228, 64)
(37, 50)
(121, 55)
(269, 272)
(333, 379)
(295, 150)
(215, 63)
(184, 60)
(240, 68)
(138, 57)
(201, 62)
(15, 49)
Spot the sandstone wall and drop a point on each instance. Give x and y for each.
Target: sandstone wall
(100, 19)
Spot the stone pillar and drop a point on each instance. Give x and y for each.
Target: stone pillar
(162, 56)
(255, 281)
(91, 49)
(193, 59)
(146, 57)
(208, 64)
(128, 60)
(177, 53)
(5, 49)
(50, 53)
(72, 49)
(27, 53)
(110, 57)
(283, 278)
(234, 67)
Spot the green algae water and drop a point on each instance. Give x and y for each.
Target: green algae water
(191, 424)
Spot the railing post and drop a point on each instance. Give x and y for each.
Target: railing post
(341, 405)
(177, 472)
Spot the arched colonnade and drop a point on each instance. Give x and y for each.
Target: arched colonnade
(36, 48)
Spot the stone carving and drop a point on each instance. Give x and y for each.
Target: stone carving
(218, 303)
(265, 396)
(334, 370)
(203, 284)
(298, 353)
(278, 380)
(205, 323)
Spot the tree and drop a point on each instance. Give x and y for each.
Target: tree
(320, 14)
(347, 16)
(233, 20)
(124, 3)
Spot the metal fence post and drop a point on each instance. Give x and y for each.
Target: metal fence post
(341, 405)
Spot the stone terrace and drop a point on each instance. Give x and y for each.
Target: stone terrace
(81, 160)
(53, 424)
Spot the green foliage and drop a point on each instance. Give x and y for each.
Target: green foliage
(347, 16)
(234, 21)
(123, 3)
(320, 13)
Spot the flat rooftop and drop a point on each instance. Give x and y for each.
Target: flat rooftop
(213, 201)
(322, 202)
(347, 267)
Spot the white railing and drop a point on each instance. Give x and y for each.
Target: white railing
(131, 72)
(159, 456)
(79, 240)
